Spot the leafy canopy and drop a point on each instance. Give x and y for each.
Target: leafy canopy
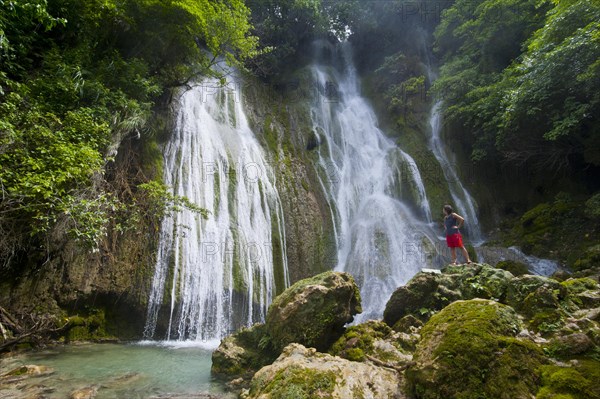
(76, 78)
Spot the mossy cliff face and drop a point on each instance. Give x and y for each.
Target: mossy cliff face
(279, 115)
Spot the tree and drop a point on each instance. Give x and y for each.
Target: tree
(76, 77)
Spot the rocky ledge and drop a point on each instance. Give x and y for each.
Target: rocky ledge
(471, 331)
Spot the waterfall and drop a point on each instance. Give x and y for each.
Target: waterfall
(214, 275)
(381, 241)
(464, 203)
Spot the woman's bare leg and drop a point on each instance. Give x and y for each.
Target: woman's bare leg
(453, 253)
(466, 254)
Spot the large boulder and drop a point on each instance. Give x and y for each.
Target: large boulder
(304, 373)
(243, 353)
(422, 295)
(520, 287)
(470, 350)
(427, 293)
(313, 311)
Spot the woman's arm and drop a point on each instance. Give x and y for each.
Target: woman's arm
(459, 220)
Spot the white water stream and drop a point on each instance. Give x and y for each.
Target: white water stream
(464, 204)
(381, 241)
(219, 273)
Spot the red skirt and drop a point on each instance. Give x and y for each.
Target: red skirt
(454, 240)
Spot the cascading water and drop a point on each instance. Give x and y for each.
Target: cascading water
(380, 240)
(463, 202)
(219, 271)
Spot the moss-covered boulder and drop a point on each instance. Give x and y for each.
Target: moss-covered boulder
(577, 382)
(522, 286)
(422, 295)
(375, 341)
(469, 350)
(304, 373)
(243, 353)
(313, 311)
(480, 281)
(427, 293)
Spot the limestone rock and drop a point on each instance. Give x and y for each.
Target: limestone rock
(30, 369)
(427, 293)
(313, 311)
(522, 286)
(375, 341)
(304, 373)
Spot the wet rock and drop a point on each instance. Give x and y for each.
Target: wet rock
(304, 373)
(84, 393)
(30, 369)
(243, 353)
(313, 311)
(516, 268)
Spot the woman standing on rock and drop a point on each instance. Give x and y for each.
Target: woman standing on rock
(452, 222)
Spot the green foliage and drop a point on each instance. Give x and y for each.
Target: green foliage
(288, 28)
(162, 200)
(560, 229)
(76, 78)
(401, 80)
(509, 77)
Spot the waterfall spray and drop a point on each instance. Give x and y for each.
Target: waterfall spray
(381, 241)
(218, 273)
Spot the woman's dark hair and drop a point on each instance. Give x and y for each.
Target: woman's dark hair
(448, 209)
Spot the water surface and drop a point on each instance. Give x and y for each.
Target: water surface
(123, 371)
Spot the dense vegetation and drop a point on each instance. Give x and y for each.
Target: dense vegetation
(522, 77)
(76, 78)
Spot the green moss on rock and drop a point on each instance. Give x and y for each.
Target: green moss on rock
(577, 382)
(514, 267)
(422, 295)
(358, 340)
(579, 285)
(469, 350)
(297, 383)
(87, 328)
(313, 311)
(243, 353)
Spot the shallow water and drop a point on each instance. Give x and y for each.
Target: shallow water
(123, 371)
